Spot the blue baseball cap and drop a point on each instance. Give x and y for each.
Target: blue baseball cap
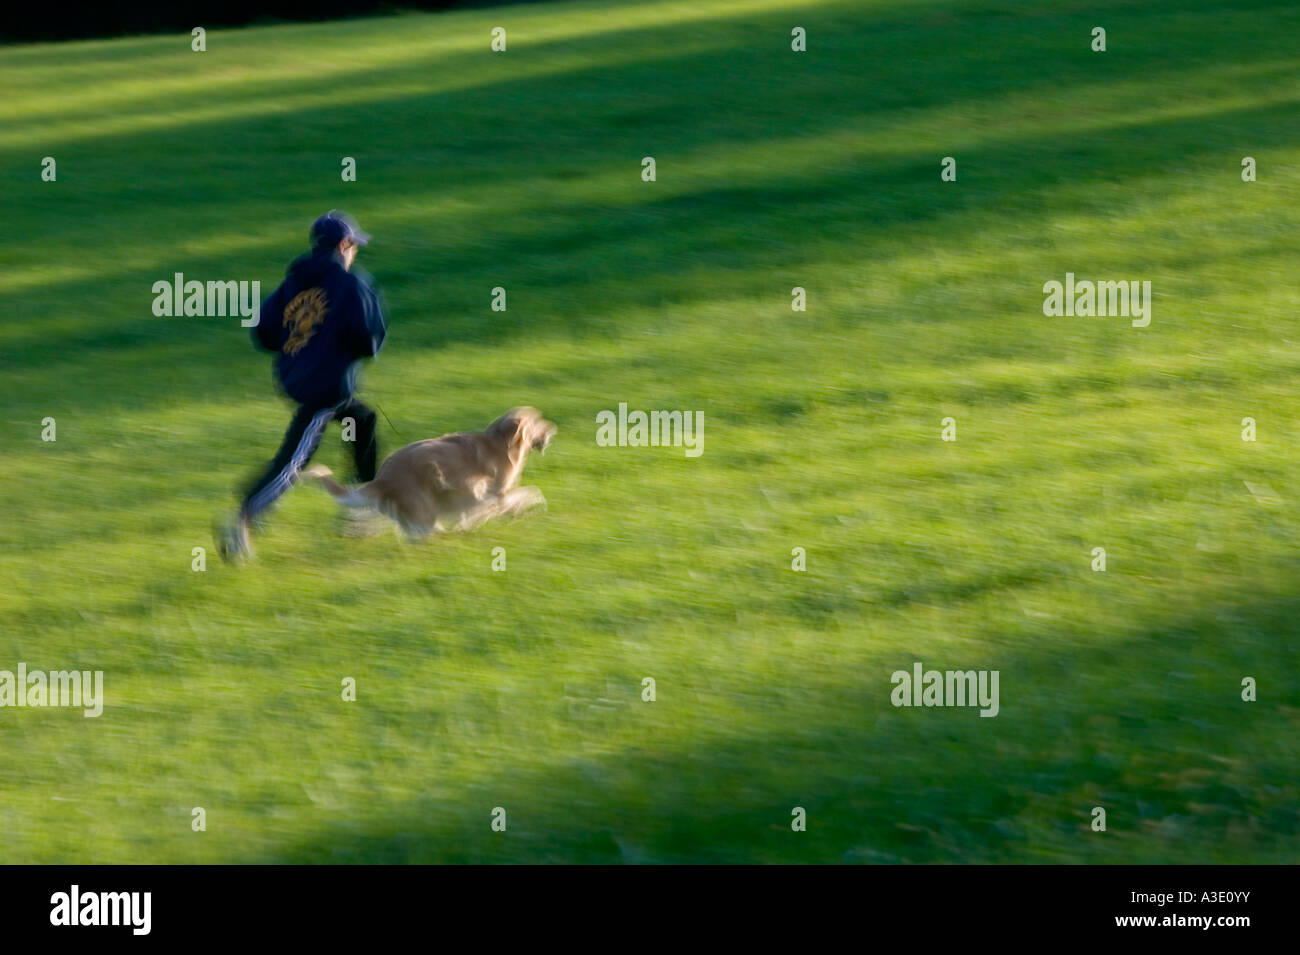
(333, 227)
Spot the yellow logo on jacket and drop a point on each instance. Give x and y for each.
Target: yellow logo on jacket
(301, 316)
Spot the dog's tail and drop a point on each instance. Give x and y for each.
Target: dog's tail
(347, 496)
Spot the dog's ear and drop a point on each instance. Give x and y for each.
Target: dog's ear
(509, 427)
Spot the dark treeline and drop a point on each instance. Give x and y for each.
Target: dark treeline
(67, 21)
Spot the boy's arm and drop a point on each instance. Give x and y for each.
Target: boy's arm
(268, 333)
(368, 326)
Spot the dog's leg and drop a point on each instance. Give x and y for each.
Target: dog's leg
(521, 499)
(416, 533)
(478, 515)
(512, 503)
(417, 518)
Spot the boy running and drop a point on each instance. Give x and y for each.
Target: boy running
(320, 322)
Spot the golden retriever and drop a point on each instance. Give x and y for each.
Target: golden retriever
(455, 482)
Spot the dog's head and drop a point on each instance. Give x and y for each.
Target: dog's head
(523, 429)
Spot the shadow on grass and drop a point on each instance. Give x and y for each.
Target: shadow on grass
(624, 252)
(1150, 728)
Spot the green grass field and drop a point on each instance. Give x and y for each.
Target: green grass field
(522, 689)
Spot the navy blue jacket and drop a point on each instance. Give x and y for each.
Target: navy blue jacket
(320, 321)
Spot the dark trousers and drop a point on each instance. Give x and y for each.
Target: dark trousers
(300, 443)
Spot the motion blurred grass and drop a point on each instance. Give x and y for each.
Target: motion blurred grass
(522, 689)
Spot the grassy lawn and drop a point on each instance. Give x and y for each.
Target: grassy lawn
(522, 689)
